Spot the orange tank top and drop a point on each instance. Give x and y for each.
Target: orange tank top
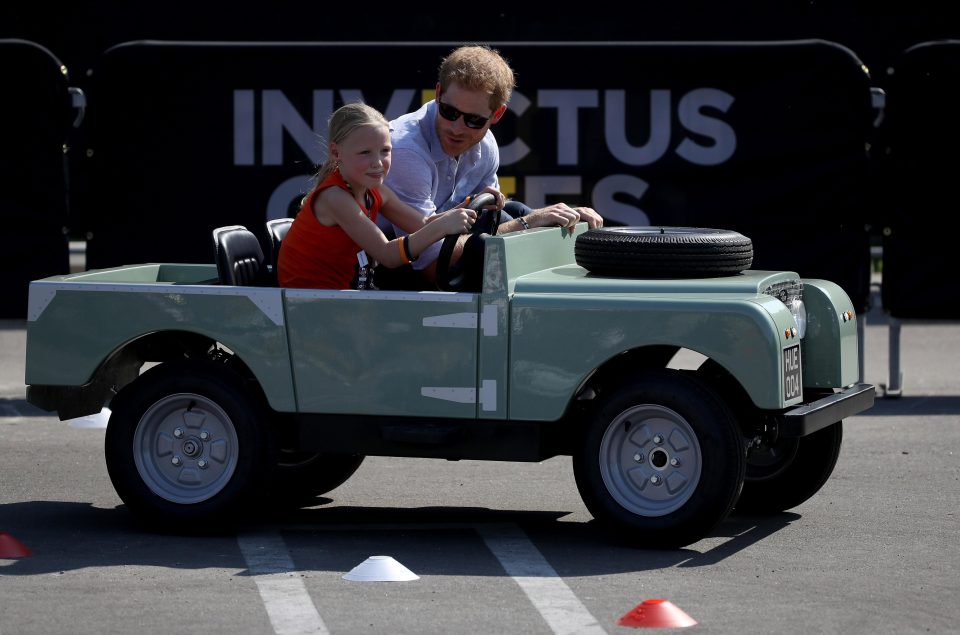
(315, 256)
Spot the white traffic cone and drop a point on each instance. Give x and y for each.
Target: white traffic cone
(380, 569)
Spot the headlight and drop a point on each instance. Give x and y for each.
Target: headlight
(799, 311)
(791, 294)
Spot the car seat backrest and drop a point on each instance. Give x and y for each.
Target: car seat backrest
(238, 256)
(277, 229)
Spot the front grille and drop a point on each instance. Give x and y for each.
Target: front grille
(786, 292)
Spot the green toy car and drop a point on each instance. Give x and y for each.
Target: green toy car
(564, 348)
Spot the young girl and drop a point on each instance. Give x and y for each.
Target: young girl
(334, 241)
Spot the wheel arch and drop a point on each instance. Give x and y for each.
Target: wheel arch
(616, 368)
(562, 438)
(715, 370)
(125, 362)
(620, 370)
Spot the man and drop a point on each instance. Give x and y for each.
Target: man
(445, 151)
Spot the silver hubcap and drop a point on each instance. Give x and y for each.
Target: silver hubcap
(650, 460)
(185, 448)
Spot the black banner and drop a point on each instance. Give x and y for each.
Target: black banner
(920, 176)
(34, 117)
(765, 138)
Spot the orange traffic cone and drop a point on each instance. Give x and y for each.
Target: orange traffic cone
(656, 613)
(10, 547)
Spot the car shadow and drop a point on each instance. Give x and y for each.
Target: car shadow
(914, 406)
(21, 408)
(67, 536)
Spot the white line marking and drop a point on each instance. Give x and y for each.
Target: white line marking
(562, 610)
(488, 395)
(284, 595)
(452, 321)
(488, 320)
(445, 393)
(268, 300)
(354, 294)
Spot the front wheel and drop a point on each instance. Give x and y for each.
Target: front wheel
(786, 473)
(661, 459)
(185, 445)
(781, 473)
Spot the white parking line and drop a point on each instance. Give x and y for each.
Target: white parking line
(292, 612)
(562, 610)
(284, 595)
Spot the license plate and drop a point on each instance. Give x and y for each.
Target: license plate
(792, 376)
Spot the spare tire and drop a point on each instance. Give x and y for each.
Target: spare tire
(663, 252)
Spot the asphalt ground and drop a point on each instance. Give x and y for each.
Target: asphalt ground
(497, 547)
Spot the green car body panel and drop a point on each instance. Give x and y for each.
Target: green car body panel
(520, 349)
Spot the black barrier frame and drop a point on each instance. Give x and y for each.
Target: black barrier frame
(36, 115)
(917, 172)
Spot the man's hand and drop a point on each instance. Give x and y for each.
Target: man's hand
(590, 216)
(498, 195)
(562, 215)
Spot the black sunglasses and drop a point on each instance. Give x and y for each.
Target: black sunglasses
(450, 113)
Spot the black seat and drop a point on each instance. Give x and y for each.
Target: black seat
(239, 257)
(277, 229)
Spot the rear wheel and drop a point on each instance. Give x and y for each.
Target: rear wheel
(186, 446)
(661, 459)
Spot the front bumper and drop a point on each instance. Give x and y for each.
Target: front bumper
(809, 418)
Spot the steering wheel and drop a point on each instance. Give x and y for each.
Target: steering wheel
(466, 274)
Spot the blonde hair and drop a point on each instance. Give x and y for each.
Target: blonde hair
(478, 68)
(341, 124)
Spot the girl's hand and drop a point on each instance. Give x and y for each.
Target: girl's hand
(456, 221)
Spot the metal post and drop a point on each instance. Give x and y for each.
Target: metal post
(861, 344)
(895, 379)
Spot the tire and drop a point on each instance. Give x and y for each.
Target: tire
(663, 252)
(186, 447)
(787, 472)
(300, 477)
(626, 476)
(784, 475)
